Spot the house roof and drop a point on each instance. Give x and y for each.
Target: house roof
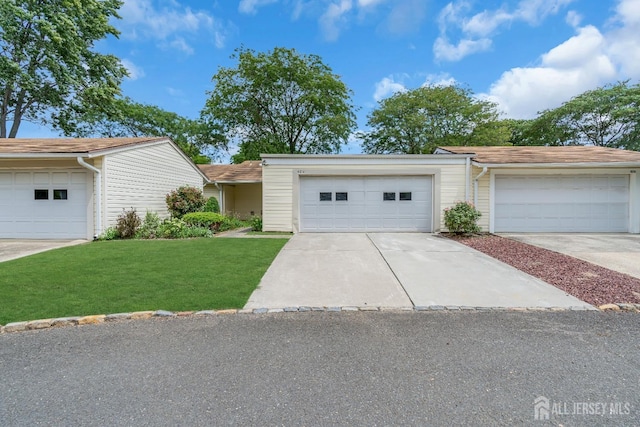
(247, 171)
(541, 155)
(17, 146)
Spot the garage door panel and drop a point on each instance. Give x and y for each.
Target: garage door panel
(580, 203)
(365, 208)
(24, 217)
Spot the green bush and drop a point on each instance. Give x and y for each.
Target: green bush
(212, 205)
(184, 200)
(256, 223)
(127, 224)
(109, 234)
(176, 228)
(150, 228)
(210, 220)
(230, 223)
(462, 218)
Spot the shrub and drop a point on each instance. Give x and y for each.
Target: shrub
(150, 228)
(176, 228)
(184, 200)
(230, 223)
(109, 234)
(256, 223)
(462, 218)
(210, 220)
(212, 205)
(127, 224)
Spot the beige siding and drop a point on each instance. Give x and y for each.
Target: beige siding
(243, 200)
(140, 178)
(280, 187)
(210, 190)
(483, 197)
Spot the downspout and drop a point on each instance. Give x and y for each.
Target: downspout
(98, 214)
(467, 179)
(475, 186)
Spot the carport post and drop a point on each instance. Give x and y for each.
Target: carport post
(98, 196)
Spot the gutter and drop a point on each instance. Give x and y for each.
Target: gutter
(98, 214)
(559, 165)
(475, 185)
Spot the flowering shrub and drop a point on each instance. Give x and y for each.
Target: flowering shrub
(184, 200)
(462, 218)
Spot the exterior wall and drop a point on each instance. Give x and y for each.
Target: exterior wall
(140, 178)
(487, 185)
(210, 190)
(281, 184)
(243, 200)
(482, 199)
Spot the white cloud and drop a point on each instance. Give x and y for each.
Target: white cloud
(475, 30)
(141, 19)
(444, 50)
(333, 19)
(573, 18)
(180, 44)
(442, 80)
(251, 6)
(579, 64)
(134, 71)
(623, 42)
(387, 87)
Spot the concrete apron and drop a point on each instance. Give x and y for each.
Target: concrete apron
(396, 270)
(17, 248)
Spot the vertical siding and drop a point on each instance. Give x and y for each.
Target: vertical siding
(140, 178)
(278, 189)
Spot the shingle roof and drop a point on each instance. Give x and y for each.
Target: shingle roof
(536, 154)
(67, 145)
(248, 171)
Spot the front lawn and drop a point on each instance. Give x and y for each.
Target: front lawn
(133, 275)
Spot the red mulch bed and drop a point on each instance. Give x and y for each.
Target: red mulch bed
(588, 282)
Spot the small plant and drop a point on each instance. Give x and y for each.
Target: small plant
(127, 224)
(109, 234)
(150, 228)
(176, 228)
(212, 205)
(462, 218)
(231, 222)
(256, 223)
(184, 200)
(210, 220)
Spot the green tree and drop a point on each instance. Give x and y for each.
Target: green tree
(608, 116)
(279, 102)
(47, 61)
(419, 120)
(127, 118)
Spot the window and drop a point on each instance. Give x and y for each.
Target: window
(325, 197)
(405, 195)
(388, 196)
(41, 194)
(341, 197)
(59, 194)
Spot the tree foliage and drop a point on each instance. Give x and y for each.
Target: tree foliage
(127, 118)
(279, 102)
(47, 62)
(608, 116)
(419, 120)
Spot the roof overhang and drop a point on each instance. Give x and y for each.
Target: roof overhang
(364, 159)
(582, 165)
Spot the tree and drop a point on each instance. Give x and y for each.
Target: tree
(608, 116)
(279, 102)
(127, 118)
(419, 120)
(47, 64)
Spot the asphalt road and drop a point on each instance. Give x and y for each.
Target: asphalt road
(360, 368)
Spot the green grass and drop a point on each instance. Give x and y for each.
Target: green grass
(135, 275)
(270, 233)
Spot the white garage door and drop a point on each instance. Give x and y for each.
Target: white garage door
(561, 203)
(43, 204)
(357, 204)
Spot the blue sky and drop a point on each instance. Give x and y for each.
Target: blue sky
(524, 55)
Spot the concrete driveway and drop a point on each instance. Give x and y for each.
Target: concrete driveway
(618, 252)
(396, 270)
(18, 248)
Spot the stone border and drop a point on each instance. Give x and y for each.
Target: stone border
(138, 315)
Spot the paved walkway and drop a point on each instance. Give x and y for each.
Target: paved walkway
(18, 248)
(396, 270)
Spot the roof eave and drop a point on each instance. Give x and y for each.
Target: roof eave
(558, 165)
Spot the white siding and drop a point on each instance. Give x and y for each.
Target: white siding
(281, 186)
(483, 197)
(140, 178)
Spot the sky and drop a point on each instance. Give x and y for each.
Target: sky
(526, 56)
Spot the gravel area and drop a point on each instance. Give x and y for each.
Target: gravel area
(588, 282)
